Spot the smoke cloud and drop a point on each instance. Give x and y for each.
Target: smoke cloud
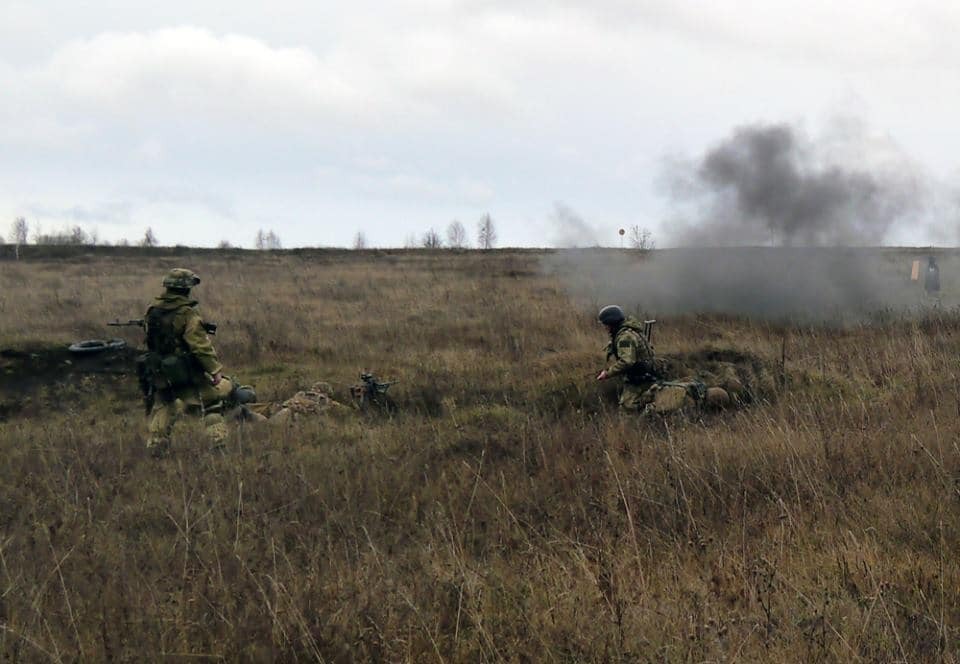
(777, 226)
(771, 185)
(570, 229)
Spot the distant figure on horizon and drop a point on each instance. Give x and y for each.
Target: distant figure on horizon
(931, 281)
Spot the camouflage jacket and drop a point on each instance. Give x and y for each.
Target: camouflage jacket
(631, 355)
(188, 329)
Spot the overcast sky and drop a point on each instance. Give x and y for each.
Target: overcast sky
(321, 119)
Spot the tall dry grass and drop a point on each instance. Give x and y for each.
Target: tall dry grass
(506, 513)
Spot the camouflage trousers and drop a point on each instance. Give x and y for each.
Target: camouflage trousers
(636, 396)
(203, 400)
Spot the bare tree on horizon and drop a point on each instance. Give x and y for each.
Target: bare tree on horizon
(19, 231)
(641, 238)
(456, 235)
(431, 240)
(266, 241)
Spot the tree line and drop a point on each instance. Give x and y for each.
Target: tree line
(456, 237)
(21, 234)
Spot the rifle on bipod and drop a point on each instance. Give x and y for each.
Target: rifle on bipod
(372, 392)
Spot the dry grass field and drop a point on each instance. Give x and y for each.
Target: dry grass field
(505, 513)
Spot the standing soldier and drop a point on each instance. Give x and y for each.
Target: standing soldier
(931, 281)
(181, 370)
(631, 356)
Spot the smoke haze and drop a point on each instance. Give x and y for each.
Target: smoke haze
(775, 226)
(570, 229)
(809, 284)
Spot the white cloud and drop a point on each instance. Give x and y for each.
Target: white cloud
(855, 33)
(151, 150)
(380, 179)
(190, 70)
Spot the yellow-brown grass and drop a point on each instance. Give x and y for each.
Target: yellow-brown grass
(505, 514)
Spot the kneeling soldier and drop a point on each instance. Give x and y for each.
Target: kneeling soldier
(631, 356)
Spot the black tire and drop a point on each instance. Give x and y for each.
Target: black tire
(93, 346)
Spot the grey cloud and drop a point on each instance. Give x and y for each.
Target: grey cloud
(123, 212)
(108, 212)
(218, 204)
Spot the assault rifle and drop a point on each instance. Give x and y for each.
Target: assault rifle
(211, 328)
(130, 323)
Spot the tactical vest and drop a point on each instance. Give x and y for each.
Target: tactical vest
(173, 364)
(162, 337)
(644, 371)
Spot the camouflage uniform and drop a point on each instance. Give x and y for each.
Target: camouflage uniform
(175, 332)
(315, 401)
(632, 358)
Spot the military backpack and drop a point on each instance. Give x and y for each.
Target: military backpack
(167, 363)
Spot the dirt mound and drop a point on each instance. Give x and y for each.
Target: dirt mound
(38, 376)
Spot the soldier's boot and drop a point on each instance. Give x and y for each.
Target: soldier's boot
(160, 428)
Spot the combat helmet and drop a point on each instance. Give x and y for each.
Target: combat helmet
(181, 279)
(242, 394)
(611, 315)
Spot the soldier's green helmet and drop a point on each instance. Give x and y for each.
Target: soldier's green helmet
(180, 278)
(611, 315)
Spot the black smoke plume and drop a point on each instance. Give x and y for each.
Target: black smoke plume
(770, 185)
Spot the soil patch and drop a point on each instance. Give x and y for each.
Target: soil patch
(40, 376)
